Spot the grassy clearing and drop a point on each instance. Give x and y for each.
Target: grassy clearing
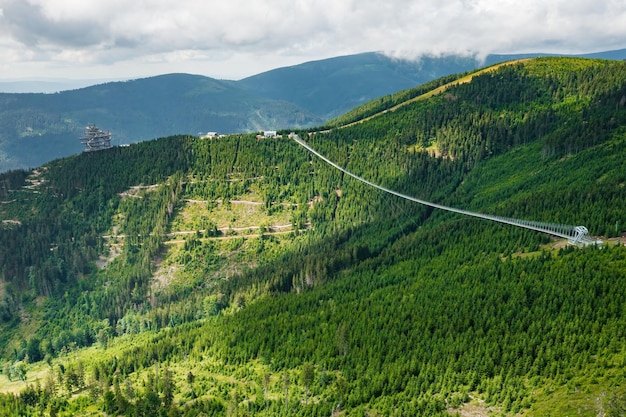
(212, 240)
(35, 373)
(246, 212)
(476, 407)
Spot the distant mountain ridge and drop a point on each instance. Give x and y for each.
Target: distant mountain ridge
(334, 86)
(48, 86)
(36, 127)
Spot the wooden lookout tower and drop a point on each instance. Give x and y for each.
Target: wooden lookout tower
(95, 139)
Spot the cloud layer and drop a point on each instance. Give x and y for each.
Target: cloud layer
(243, 35)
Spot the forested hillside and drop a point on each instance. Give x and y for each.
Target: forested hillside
(37, 128)
(244, 276)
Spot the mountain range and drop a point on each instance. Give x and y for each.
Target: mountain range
(244, 275)
(35, 128)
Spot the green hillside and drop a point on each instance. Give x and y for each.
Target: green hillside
(37, 128)
(244, 276)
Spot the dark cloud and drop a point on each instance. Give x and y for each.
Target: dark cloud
(29, 25)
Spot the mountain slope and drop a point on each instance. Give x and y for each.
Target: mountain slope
(38, 127)
(333, 86)
(239, 275)
(35, 128)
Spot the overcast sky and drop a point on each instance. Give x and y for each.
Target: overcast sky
(231, 39)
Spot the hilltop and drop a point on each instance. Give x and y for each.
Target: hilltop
(242, 275)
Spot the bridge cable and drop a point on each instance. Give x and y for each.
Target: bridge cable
(574, 234)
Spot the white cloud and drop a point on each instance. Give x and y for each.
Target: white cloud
(117, 34)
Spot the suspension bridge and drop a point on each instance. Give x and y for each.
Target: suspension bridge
(575, 235)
